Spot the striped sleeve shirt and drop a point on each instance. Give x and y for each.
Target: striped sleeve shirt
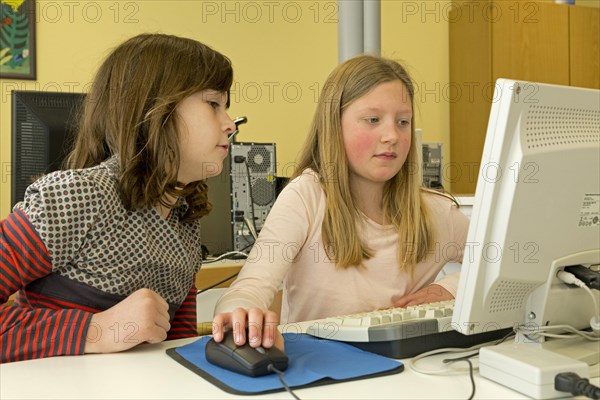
(32, 332)
(71, 249)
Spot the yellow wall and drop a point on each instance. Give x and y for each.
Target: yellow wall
(282, 52)
(416, 34)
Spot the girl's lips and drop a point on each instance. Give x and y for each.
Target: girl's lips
(386, 155)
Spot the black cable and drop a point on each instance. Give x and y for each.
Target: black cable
(586, 275)
(461, 358)
(245, 237)
(217, 284)
(509, 334)
(465, 358)
(249, 230)
(577, 386)
(249, 245)
(285, 385)
(250, 193)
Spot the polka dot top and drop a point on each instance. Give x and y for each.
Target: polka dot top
(91, 238)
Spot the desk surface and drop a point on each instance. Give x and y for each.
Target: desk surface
(146, 372)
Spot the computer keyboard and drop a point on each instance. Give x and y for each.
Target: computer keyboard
(400, 332)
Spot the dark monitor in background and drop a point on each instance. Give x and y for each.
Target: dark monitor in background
(43, 124)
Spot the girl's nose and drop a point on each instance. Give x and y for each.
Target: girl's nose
(237, 122)
(229, 127)
(390, 135)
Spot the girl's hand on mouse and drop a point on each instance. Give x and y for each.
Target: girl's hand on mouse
(261, 327)
(429, 294)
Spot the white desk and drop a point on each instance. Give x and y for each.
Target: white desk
(147, 372)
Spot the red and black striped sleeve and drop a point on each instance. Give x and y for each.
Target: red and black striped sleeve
(184, 323)
(26, 332)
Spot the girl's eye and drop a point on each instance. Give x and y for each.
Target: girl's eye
(404, 122)
(214, 104)
(372, 120)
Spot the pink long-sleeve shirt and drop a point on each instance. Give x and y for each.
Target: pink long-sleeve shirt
(290, 249)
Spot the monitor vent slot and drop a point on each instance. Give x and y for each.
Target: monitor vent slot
(53, 102)
(549, 126)
(510, 295)
(31, 146)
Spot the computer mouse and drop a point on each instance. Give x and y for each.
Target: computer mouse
(244, 359)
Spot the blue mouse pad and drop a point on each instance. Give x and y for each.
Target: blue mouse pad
(311, 361)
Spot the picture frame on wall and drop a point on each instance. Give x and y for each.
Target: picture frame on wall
(17, 39)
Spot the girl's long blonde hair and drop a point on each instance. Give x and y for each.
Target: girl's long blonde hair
(324, 152)
(130, 111)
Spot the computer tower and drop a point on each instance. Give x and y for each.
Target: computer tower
(242, 196)
(432, 165)
(430, 158)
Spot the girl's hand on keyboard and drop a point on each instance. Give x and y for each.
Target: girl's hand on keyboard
(429, 294)
(259, 325)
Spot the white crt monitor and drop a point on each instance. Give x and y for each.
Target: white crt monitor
(536, 210)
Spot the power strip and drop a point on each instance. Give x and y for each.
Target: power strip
(528, 368)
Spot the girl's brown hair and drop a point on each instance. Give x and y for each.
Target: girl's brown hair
(324, 152)
(130, 110)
